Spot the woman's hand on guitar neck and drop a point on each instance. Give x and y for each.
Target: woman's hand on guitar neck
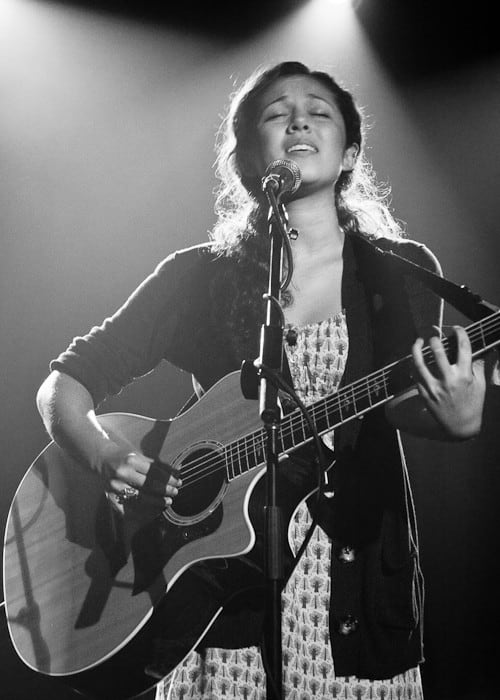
(453, 393)
(447, 401)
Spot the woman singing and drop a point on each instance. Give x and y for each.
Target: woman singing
(352, 608)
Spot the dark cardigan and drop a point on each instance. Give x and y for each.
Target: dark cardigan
(376, 607)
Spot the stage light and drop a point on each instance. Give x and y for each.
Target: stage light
(338, 4)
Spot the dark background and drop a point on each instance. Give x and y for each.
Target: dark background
(108, 119)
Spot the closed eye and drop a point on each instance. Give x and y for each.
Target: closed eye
(276, 116)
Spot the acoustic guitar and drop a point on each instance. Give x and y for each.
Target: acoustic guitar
(112, 603)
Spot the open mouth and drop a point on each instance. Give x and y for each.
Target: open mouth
(302, 148)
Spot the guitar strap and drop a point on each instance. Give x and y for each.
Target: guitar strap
(365, 260)
(459, 296)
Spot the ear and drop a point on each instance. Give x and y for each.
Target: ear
(350, 157)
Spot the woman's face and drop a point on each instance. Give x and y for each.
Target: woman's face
(298, 119)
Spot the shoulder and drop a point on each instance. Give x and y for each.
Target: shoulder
(413, 251)
(186, 259)
(181, 269)
(426, 307)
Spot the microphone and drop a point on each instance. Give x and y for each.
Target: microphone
(282, 177)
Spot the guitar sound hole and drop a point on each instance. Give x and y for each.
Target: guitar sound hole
(202, 479)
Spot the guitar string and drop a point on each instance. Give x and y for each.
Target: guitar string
(236, 451)
(252, 445)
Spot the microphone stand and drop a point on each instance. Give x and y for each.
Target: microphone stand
(271, 356)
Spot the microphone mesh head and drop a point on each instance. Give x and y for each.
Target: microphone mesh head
(289, 173)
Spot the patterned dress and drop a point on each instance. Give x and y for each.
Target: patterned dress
(317, 355)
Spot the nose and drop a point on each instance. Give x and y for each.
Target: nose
(299, 122)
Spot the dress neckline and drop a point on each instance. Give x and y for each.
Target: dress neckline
(337, 318)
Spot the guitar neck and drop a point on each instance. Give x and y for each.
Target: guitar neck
(357, 398)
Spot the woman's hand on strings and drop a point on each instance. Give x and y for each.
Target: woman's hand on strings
(453, 393)
(133, 479)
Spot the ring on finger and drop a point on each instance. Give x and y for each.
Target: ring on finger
(129, 493)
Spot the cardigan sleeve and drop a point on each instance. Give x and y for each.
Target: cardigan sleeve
(141, 333)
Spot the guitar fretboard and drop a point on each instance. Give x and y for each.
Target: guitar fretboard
(351, 401)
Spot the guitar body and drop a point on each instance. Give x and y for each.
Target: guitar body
(113, 603)
(85, 586)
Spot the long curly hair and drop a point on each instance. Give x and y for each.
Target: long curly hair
(239, 234)
(362, 203)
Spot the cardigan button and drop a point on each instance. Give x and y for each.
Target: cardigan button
(345, 554)
(346, 625)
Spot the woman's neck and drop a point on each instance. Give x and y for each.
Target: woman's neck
(316, 220)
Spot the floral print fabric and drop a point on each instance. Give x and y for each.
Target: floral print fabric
(317, 355)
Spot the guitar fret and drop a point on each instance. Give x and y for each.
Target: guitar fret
(364, 397)
(293, 430)
(361, 397)
(326, 416)
(377, 387)
(261, 454)
(490, 334)
(243, 455)
(248, 452)
(348, 402)
(353, 399)
(288, 433)
(482, 336)
(303, 427)
(335, 411)
(229, 463)
(237, 463)
(339, 405)
(254, 450)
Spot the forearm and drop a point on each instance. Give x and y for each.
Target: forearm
(67, 411)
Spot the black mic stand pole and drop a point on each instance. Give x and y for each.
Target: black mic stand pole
(271, 356)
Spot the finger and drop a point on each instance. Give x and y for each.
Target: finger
(113, 499)
(421, 372)
(160, 488)
(152, 501)
(145, 502)
(138, 462)
(423, 392)
(153, 479)
(165, 473)
(122, 494)
(479, 370)
(440, 357)
(118, 487)
(132, 469)
(491, 366)
(464, 349)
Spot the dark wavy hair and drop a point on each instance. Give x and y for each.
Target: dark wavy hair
(239, 234)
